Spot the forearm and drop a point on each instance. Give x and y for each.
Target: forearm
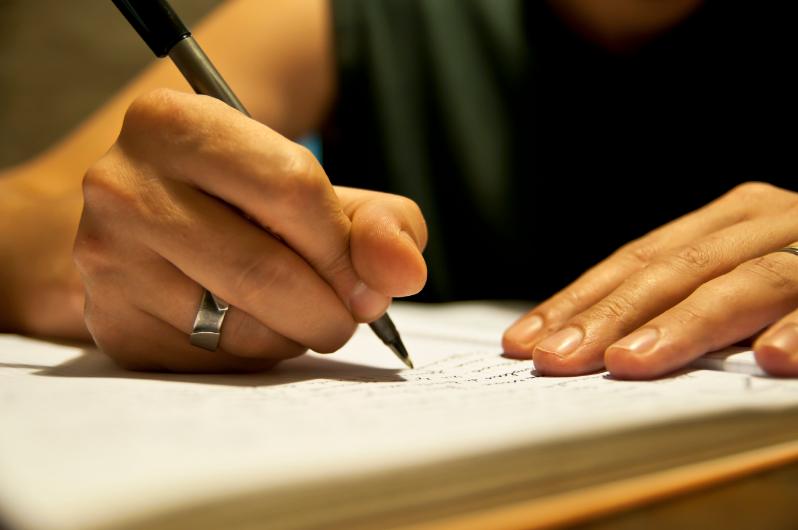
(281, 69)
(276, 55)
(39, 286)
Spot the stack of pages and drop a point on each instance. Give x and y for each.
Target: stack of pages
(352, 440)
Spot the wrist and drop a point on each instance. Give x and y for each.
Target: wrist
(39, 283)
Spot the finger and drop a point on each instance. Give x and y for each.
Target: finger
(666, 282)
(749, 200)
(157, 289)
(218, 249)
(719, 313)
(776, 350)
(275, 182)
(387, 237)
(138, 341)
(162, 291)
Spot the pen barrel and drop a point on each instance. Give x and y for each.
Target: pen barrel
(201, 74)
(155, 21)
(385, 329)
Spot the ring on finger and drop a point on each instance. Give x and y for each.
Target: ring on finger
(207, 328)
(789, 250)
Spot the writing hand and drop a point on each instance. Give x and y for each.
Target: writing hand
(697, 284)
(194, 193)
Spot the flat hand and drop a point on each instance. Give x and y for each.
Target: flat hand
(705, 281)
(193, 195)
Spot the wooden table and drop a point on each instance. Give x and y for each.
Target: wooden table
(753, 490)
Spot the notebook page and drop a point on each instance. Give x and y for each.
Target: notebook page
(83, 443)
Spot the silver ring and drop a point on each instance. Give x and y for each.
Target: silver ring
(789, 250)
(207, 328)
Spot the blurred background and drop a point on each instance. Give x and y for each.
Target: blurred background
(59, 61)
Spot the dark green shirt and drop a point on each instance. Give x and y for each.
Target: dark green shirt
(534, 153)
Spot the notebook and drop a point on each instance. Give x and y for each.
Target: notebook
(352, 439)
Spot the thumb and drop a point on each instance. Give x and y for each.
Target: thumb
(387, 236)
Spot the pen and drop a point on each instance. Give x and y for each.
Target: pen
(163, 31)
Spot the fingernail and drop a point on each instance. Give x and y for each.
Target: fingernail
(562, 343)
(526, 330)
(640, 341)
(785, 339)
(366, 303)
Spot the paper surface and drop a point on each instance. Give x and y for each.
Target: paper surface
(83, 443)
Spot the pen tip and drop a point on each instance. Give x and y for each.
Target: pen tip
(399, 349)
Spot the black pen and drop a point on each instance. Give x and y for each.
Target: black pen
(163, 31)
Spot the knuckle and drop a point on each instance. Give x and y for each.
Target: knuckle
(300, 167)
(638, 254)
(691, 258)
(302, 184)
(155, 106)
(90, 254)
(550, 311)
(574, 298)
(615, 307)
(754, 199)
(104, 190)
(752, 191)
(774, 272)
(337, 263)
(97, 184)
(113, 190)
(689, 314)
(159, 114)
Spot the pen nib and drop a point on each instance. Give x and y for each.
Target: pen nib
(399, 349)
(387, 333)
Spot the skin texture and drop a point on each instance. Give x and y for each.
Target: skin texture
(290, 87)
(697, 284)
(195, 193)
(163, 191)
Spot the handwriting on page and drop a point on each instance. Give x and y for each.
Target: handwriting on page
(135, 439)
(484, 380)
(466, 378)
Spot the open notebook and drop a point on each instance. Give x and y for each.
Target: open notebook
(352, 440)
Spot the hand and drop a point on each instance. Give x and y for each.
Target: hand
(195, 194)
(705, 281)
